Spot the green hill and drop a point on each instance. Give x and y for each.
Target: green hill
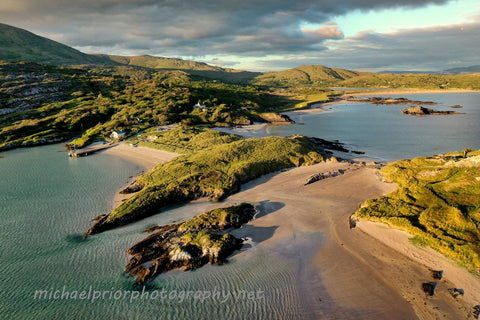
(309, 74)
(20, 45)
(192, 67)
(414, 81)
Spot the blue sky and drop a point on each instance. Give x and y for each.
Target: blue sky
(265, 34)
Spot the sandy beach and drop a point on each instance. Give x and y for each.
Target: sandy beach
(350, 274)
(369, 272)
(145, 157)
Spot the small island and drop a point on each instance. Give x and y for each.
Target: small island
(421, 111)
(190, 244)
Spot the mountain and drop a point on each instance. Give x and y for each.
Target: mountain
(192, 67)
(464, 70)
(21, 45)
(308, 74)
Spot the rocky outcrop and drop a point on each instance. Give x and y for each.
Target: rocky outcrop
(387, 101)
(276, 118)
(325, 145)
(132, 188)
(188, 245)
(321, 176)
(457, 106)
(421, 111)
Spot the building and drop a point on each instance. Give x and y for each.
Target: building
(117, 135)
(198, 105)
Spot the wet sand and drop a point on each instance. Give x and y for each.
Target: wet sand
(349, 274)
(342, 273)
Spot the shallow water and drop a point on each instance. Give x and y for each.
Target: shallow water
(47, 202)
(48, 199)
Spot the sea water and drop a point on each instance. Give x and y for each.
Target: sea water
(47, 201)
(382, 131)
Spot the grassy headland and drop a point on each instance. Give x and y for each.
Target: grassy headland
(214, 169)
(437, 201)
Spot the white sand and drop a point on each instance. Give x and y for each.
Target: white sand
(359, 276)
(145, 157)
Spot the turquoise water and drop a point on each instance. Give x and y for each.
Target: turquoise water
(382, 131)
(48, 199)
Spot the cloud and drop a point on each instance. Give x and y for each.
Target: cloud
(253, 29)
(433, 48)
(213, 27)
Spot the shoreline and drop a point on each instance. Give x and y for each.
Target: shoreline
(346, 261)
(316, 107)
(147, 158)
(399, 240)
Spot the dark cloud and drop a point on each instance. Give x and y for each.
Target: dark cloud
(248, 28)
(431, 49)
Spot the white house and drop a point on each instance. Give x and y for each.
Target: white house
(198, 105)
(117, 135)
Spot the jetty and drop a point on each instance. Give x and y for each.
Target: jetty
(90, 150)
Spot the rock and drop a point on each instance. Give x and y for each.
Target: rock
(456, 106)
(437, 274)
(320, 176)
(132, 188)
(429, 287)
(421, 111)
(276, 118)
(188, 245)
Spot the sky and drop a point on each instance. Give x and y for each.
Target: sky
(261, 35)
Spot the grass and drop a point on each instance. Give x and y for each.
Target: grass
(219, 219)
(438, 202)
(214, 171)
(185, 139)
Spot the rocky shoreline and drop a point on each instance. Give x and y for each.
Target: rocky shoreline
(190, 244)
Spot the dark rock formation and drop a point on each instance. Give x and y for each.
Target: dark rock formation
(188, 245)
(276, 118)
(429, 287)
(387, 101)
(320, 176)
(437, 274)
(330, 145)
(132, 188)
(421, 111)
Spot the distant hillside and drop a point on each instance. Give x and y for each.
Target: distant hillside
(417, 81)
(192, 67)
(20, 45)
(465, 70)
(309, 74)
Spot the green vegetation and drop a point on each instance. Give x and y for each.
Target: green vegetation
(21, 45)
(192, 67)
(219, 219)
(310, 74)
(414, 81)
(438, 201)
(215, 171)
(92, 102)
(185, 139)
